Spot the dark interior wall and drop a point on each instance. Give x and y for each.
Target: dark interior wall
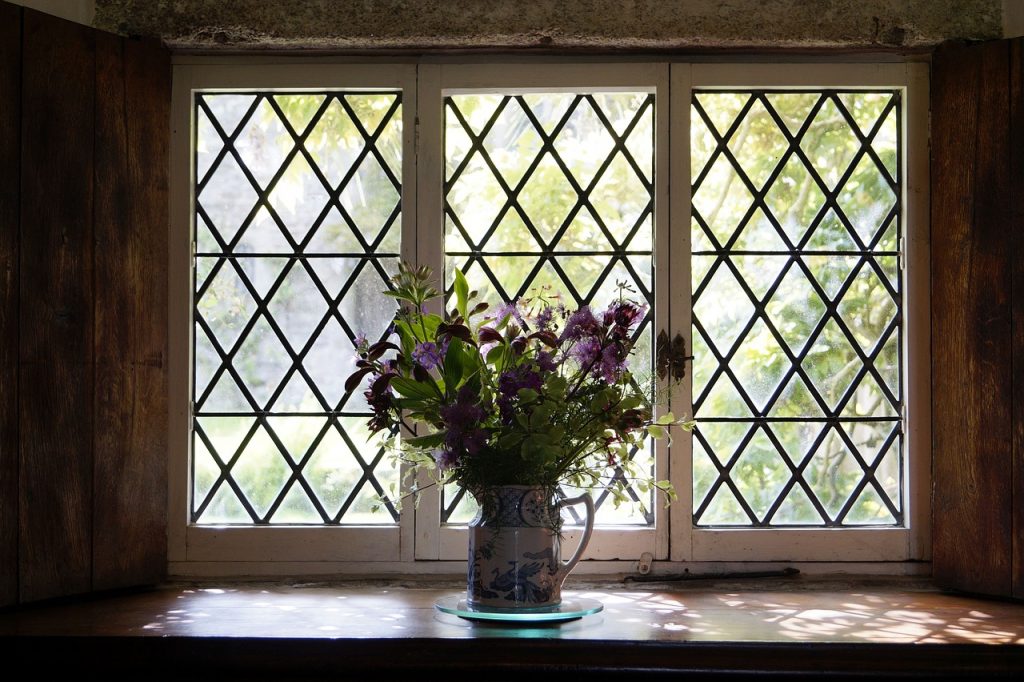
(10, 157)
(83, 252)
(83, 308)
(977, 318)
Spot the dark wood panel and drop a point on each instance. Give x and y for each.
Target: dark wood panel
(10, 181)
(56, 308)
(971, 354)
(1016, 225)
(275, 632)
(132, 129)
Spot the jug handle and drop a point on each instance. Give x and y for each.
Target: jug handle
(588, 530)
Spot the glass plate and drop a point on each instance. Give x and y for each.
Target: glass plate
(569, 609)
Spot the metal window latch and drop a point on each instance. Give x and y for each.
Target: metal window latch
(671, 356)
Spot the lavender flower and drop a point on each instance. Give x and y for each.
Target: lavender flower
(428, 354)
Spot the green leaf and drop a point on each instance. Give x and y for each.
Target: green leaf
(413, 389)
(557, 386)
(665, 419)
(494, 355)
(656, 431)
(461, 293)
(453, 364)
(429, 441)
(629, 402)
(527, 395)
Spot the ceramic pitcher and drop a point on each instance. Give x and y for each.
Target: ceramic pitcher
(515, 548)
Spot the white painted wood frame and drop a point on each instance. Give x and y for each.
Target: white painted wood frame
(842, 544)
(188, 543)
(436, 541)
(418, 544)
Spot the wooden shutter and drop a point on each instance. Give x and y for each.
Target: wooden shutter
(977, 354)
(84, 131)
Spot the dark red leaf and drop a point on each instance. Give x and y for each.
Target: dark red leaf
(547, 338)
(419, 373)
(382, 382)
(355, 378)
(489, 335)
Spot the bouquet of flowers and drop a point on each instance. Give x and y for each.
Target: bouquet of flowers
(527, 394)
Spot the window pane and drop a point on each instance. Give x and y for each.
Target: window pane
(553, 193)
(797, 323)
(297, 212)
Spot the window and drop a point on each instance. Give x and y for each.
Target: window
(770, 218)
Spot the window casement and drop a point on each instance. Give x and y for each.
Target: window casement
(772, 218)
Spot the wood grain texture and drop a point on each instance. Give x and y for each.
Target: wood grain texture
(1016, 228)
(971, 321)
(10, 182)
(130, 490)
(392, 632)
(56, 308)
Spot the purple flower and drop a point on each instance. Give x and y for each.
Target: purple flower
(621, 316)
(427, 354)
(544, 317)
(580, 324)
(462, 420)
(587, 351)
(546, 361)
(607, 360)
(509, 384)
(361, 342)
(445, 459)
(474, 440)
(521, 377)
(612, 362)
(510, 309)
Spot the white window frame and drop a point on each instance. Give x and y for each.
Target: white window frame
(433, 540)
(831, 544)
(419, 544)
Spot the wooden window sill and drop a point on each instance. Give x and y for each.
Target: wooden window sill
(359, 631)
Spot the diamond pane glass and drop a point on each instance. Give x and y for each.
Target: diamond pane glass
(298, 199)
(553, 192)
(797, 308)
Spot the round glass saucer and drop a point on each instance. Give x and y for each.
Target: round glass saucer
(569, 609)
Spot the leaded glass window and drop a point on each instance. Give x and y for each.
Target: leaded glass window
(797, 308)
(297, 201)
(552, 194)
